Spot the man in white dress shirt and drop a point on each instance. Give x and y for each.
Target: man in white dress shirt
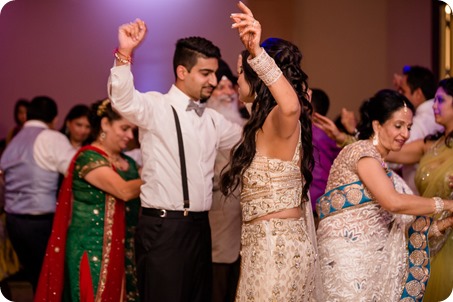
(418, 84)
(173, 241)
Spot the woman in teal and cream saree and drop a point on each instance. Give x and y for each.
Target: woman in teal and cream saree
(372, 245)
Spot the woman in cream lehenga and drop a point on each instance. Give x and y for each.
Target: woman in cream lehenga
(371, 247)
(434, 178)
(272, 162)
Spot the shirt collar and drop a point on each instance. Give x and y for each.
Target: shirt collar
(36, 123)
(425, 106)
(178, 98)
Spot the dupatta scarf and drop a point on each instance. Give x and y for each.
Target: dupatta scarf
(432, 179)
(111, 280)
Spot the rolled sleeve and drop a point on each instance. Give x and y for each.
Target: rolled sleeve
(133, 105)
(52, 151)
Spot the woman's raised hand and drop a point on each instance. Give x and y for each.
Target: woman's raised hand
(249, 29)
(327, 125)
(130, 35)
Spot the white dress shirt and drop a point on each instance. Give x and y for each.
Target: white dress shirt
(52, 150)
(202, 136)
(424, 124)
(135, 154)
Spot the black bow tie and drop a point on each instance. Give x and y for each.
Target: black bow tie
(199, 108)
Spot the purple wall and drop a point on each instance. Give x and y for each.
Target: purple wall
(64, 48)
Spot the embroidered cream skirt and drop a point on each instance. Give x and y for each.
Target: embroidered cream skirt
(278, 262)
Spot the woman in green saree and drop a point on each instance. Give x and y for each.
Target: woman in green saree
(90, 255)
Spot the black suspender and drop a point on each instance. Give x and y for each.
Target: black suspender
(182, 159)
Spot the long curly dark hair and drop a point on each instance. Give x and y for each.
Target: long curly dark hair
(447, 86)
(288, 57)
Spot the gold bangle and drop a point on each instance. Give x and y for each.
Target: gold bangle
(434, 230)
(124, 61)
(349, 139)
(438, 205)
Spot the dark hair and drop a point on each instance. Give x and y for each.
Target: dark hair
(188, 50)
(224, 70)
(380, 108)
(320, 101)
(19, 103)
(288, 57)
(42, 108)
(99, 110)
(76, 112)
(447, 86)
(421, 77)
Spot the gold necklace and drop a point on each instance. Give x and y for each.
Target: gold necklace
(437, 145)
(110, 157)
(114, 159)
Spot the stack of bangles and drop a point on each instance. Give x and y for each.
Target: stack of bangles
(438, 205)
(438, 208)
(122, 57)
(265, 67)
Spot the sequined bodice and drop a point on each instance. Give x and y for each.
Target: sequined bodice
(271, 185)
(344, 168)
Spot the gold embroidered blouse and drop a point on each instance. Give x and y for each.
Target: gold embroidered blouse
(271, 185)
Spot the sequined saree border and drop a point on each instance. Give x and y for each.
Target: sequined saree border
(418, 260)
(341, 198)
(108, 232)
(355, 195)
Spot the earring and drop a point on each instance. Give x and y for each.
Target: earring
(102, 136)
(376, 139)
